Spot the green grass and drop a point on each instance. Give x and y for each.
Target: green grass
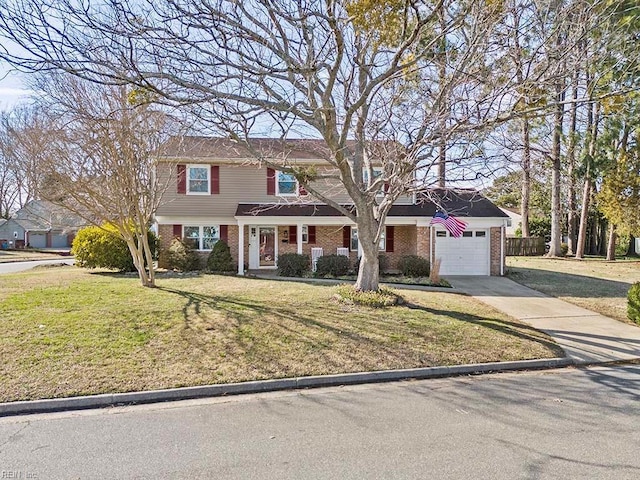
(66, 331)
(592, 283)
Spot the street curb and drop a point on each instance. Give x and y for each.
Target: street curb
(186, 393)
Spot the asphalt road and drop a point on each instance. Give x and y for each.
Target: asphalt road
(13, 267)
(568, 424)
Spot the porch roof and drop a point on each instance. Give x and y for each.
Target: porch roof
(461, 203)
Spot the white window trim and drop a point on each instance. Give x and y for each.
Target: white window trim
(278, 193)
(377, 172)
(208, 169)
(201, 235)
(305, 233)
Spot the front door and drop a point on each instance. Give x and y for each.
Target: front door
(262, 247)
(267, 246)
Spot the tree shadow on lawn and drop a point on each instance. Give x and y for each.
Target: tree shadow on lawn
(519, 330)
(558, 284)
(245, 312)
(313, 333)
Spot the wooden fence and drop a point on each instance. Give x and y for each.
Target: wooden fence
(525, 246)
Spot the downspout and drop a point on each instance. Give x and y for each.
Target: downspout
(502, 240)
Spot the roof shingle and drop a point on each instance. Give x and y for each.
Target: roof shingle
(457, 202)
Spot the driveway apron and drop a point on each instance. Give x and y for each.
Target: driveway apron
(585, 336)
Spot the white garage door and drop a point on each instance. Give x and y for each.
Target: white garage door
(466, 255)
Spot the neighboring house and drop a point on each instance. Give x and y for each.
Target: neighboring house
(514, 222)
(40, 224)
(218, 192)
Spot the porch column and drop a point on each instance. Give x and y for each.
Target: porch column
(240, 248)
(299, 237)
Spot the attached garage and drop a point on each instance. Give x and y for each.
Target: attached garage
(469, 254)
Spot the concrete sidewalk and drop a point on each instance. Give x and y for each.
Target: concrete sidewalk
(585, 336)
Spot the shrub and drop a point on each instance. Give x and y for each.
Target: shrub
(384, 297)
(383, 264)
(414, 266)
(293, 264)
(180, 256)
(332, 265)
(539, 226)
(564, 249)
(633, 307)
(104, 247)
(622, 245)
(220, 259)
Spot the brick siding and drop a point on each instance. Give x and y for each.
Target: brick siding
(496, 250)
(408, 240)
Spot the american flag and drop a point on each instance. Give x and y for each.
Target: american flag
(454, 226)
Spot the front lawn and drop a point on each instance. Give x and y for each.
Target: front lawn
(592, 283)
(65, 331)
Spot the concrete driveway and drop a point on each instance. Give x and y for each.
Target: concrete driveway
(585, 336)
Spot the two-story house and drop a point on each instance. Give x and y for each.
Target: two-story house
(217, 190)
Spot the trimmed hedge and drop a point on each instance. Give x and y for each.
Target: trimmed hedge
(332, 265)
(220, 259)
(104, 247)
(180, 256)
(293, 265)
(414, 266)
(633, 307)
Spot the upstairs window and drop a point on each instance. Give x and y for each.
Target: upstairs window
(365, 175)
(286, 184)
(376, 173)
(198, 179)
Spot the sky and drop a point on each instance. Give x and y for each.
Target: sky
(12, 88)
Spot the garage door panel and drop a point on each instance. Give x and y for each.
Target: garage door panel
(464, 255)
(59, 241)
(37, 240)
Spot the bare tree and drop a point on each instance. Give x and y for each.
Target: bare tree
(21, 143)
(101, 154)
(8, 182)
(365, 77)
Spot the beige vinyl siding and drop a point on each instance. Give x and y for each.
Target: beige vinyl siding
(238, 184)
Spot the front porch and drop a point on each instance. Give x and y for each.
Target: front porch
(259, 245)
